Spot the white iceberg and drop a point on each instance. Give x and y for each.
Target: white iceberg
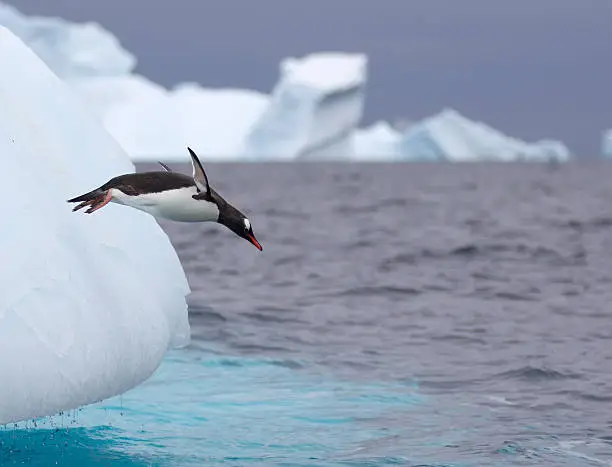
(153, 123)
(314, 109)
(70, 49)
(606, 143)
(313, 112)
(378, 142)
(89, 304)
(148, 120)
(449, 136)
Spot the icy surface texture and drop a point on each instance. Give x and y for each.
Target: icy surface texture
(89, 304)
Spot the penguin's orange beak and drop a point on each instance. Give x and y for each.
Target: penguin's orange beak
(251, 238)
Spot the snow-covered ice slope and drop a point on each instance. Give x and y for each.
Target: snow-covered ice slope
(606, 143)
(314, 109)
(449, 136)
(89, 304)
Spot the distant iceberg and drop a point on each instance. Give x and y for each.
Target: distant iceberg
(606, 143)
(70, 49)
(312, 113)
(379, 141)
(314, 109)
(153, 123)
(148, 120)
(449, 136)
(89, 304)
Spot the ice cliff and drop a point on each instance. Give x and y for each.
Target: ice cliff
(88, 304)
(314, 109)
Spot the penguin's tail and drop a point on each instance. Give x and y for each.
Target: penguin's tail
(96, 199)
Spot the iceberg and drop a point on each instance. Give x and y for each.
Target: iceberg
(152, 123)
(148, 120)
(606, 143)
(449, 136)
(69, 49)
(313, 111)
(379, 141)
(89, 304)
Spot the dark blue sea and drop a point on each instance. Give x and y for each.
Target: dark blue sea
(399, 314)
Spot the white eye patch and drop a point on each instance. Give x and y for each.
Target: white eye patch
(247, 224)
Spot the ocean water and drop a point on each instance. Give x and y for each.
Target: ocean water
(399, 314)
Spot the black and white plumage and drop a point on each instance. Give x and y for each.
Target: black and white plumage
(170, 195)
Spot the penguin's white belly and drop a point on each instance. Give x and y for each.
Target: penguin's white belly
(176, 205)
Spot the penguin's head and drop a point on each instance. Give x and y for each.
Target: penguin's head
(238, 223)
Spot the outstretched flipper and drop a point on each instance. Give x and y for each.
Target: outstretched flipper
(95, 199)
(166, 168)
(199, 177)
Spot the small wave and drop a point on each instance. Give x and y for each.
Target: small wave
(205, 314)
(471, 251)
(458, 338)
(385, 290)
(287, 260)
(590, 224)
(389, 265)
(352, 209)
(531, 373)
(517, 297)
(467, 250)
(245, 363)
(379, 205)
(259, 348)
(397, 202)
(488, 249)
(271, 318)
(516, 449)
(284, 213)
(364, 243)
(596, 397)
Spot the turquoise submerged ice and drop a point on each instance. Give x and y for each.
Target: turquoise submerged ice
(89, 305)
(204, 409)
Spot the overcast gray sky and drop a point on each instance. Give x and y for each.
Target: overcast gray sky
(532, 68)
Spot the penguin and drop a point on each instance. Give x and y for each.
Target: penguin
(170, 195)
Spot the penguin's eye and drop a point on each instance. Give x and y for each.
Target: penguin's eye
(247, 225)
